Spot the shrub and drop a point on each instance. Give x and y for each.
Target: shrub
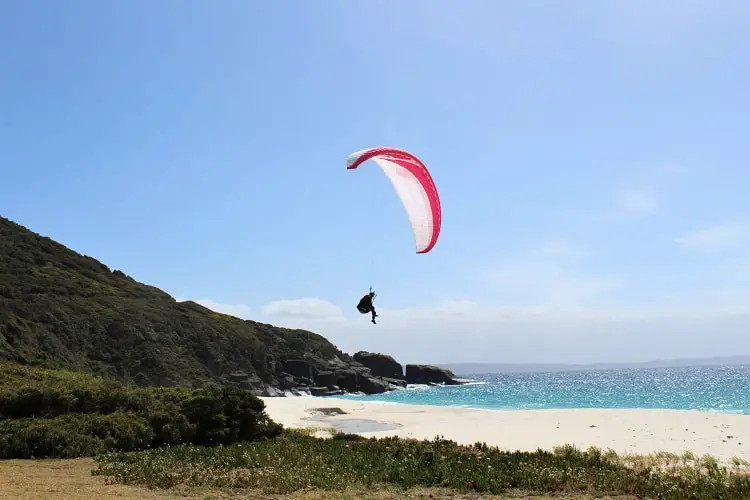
(73, 435)
(46, 413)
(297, 461)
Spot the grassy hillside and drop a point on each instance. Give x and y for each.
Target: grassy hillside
(60, 309)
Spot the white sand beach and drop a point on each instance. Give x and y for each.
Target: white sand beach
(723, 436)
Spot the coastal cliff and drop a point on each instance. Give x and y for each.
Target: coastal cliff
(60, 309)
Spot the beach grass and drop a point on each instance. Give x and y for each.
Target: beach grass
(298, 461)
(71, 479)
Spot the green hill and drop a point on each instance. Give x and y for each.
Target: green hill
(60, 309)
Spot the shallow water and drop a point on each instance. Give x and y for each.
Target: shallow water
(358, 425)
(720, 389)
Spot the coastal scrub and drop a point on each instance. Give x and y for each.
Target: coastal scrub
(60, 414)
(296, 460)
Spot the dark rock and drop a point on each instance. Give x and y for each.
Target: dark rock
(272, 392)
(328, 412)
(308, 366)
(264, 364)
(336, 362)
(251, 383)
(325, 391)
(371, 385)
(351, 380)
(271, 363)
(381, 365)
(395, 381)
(244, 380)
(347, 380)
(298, 368)
(426, 374)
(337, 376)
(362, 370)
(238, 376)
(286, 381)
(326, 379)
(319, 391)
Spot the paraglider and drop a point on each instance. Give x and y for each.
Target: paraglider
(418, 194)
(365, 305)
(414, 186)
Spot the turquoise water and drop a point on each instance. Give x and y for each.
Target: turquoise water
(721, 389)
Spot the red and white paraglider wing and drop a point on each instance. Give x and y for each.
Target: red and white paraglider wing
(414, 186)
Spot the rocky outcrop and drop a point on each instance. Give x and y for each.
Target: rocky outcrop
(369, 373)
(397, 382)
(311, 374)
(330, 376)
(381, 365)
(429, 374)
(365, 372)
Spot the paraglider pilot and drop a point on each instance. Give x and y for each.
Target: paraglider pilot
(365, 305)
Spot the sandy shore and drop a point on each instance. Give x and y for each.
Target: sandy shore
(723, 436)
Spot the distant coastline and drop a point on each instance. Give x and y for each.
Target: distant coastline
(465, 369)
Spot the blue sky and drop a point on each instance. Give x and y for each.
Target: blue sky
(590, 157)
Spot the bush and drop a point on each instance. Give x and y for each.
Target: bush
(46, 413)
(27, 392)
(297, 461)
(73, 435)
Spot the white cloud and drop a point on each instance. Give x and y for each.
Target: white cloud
(716, 238)
(469, 331)
(237, 310)
(306, 308)
(637, 201)
(465, 331)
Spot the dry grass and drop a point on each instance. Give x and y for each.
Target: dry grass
(72, 480)
(674, 462)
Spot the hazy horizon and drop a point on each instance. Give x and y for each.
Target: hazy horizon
(488, 367)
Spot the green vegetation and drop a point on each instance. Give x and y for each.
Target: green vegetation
(59, 414)
(221, 437)
(296, 460)
(61, 309)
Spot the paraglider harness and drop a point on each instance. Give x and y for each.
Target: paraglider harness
(365, 304)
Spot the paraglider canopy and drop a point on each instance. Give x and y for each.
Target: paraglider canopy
(414, 186)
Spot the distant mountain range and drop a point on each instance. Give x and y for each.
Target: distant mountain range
(476, 368)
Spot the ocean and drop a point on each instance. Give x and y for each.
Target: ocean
(716, 388)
